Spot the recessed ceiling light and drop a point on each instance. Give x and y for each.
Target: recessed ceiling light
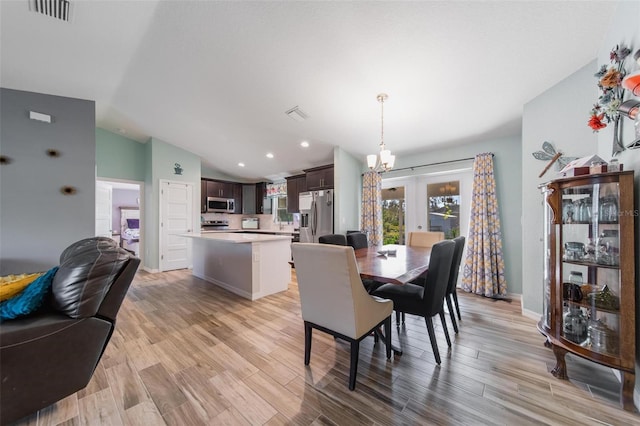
(304, 144)
(269, 155)
(240, 164)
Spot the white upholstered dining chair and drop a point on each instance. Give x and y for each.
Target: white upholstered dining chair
(333, 299)
(424, 238)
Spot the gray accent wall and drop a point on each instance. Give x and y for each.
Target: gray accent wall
(37, 222)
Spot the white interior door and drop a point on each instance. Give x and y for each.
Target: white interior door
(176, 218)
(103, 210)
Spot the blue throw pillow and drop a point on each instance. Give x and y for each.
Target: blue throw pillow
(30, 299)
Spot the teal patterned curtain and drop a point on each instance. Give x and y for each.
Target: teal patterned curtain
(372, 207)
(484, 264)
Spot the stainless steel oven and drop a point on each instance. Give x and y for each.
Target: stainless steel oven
(220, 205)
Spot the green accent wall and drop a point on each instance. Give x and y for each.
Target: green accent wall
(161, 159)
(118, 157)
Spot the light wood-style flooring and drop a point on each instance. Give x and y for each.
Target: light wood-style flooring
(186, 352)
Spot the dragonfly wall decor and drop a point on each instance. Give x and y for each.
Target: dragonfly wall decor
(549, 154)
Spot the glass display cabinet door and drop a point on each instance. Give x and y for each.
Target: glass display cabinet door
(590, 272)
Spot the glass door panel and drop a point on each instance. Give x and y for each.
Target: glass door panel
(393, 215)
(443, 208)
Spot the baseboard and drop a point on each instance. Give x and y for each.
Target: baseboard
(530, 314)
(150, 270)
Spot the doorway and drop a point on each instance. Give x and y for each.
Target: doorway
(119, 213)
(393, 215)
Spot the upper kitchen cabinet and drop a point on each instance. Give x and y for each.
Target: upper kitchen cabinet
(263, 204)
(319, 178)
(221, 189)
(295, 185)
(203, 196)
(237, 196)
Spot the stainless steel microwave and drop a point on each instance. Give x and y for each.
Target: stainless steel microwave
(220, 205)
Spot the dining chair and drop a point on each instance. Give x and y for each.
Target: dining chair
(335, 239)
(452, 295)
(357, 240)
(334, 301)
(420, 239)
(424, 238)
(426, 301)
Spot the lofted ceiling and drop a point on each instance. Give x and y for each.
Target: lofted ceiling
(215, 78)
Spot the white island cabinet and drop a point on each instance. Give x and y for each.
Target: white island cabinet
(249, 265)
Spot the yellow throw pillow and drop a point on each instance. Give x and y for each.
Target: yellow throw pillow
(14, 284)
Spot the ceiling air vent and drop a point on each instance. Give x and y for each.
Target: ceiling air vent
(296, 113)
(59, 9)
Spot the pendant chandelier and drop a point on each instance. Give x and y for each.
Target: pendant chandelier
(383, 162)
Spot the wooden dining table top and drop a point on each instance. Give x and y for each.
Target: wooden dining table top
(406, 265)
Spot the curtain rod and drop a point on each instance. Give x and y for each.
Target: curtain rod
(438, 163)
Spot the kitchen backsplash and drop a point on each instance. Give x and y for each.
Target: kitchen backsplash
(266, 221)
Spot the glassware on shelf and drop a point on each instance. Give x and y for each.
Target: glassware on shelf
(608, 209)
(590, 251)
(574, 325)
(602, 338)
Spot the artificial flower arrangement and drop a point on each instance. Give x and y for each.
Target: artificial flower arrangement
(610, 84)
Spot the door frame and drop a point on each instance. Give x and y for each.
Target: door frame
(141, 205)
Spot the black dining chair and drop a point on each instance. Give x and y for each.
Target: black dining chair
(452, 295)
(335, 239)
(357, 240)
(428, 300)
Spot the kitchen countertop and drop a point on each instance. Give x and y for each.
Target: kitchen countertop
(237, 237)
(251, 231)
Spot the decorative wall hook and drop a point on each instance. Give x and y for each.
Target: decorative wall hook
(68, 190)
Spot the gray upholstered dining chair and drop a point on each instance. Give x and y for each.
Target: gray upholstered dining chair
(335, 239)
(357, 240)
(428, 300)
(334, 301)
(451, 295)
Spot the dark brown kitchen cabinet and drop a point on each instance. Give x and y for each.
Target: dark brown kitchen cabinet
(319, 177)
(203, 196)
(221, 189)
(295, 185)
(262, 202)
(237, 196)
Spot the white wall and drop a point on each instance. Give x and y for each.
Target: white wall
(348, 191)
(559, 116)
(508, 176)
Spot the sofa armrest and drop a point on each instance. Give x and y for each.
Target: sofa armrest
(46, 358)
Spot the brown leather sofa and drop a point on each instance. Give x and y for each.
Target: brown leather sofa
(53, 353)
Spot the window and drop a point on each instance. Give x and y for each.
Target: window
(443, 208)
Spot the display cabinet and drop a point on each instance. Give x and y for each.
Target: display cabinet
(589, 274)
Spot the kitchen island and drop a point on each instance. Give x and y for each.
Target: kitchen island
(249, 265)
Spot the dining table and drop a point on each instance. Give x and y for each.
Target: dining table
(392, 263)
(395, 264)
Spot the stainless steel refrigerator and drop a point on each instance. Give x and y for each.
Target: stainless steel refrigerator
(316, 215)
